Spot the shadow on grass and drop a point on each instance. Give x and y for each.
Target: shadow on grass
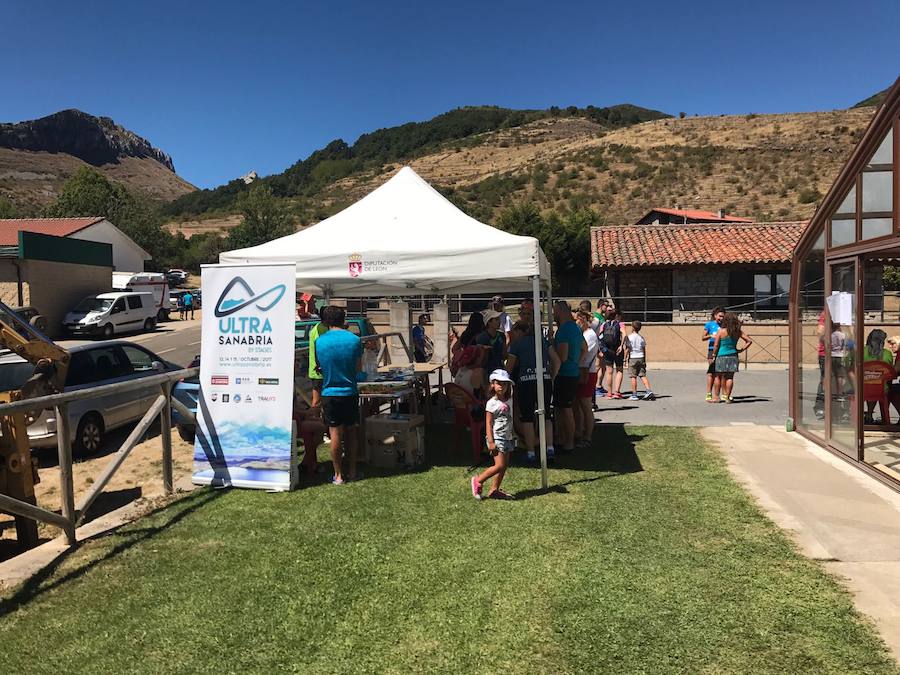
(37, 585)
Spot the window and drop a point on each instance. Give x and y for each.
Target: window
(140, 360)
(770, 289)
(134, 302)
(95, 365)
(119, 306)
(843, 231)
(877, 187)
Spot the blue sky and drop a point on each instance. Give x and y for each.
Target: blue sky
(225, 87)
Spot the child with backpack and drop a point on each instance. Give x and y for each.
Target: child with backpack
(501, 439)
(613, 346)
(637, 361)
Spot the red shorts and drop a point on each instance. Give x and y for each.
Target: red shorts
(586, 390)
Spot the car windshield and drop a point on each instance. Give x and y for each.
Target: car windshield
(13, 374)
(92, 304)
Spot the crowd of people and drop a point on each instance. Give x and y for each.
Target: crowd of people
(494, 360)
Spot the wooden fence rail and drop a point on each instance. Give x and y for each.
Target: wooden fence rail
(71, 516)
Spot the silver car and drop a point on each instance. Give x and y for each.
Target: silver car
(92, 365)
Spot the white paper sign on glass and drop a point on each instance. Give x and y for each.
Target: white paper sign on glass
(245, 400)
(840, 307)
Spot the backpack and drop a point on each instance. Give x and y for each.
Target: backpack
(611, 334)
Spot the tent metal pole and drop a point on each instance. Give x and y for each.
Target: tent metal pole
(539, 371)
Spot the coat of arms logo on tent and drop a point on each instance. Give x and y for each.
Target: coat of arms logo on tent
(356, 265)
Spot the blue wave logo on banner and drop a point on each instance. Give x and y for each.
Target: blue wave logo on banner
(244, 297)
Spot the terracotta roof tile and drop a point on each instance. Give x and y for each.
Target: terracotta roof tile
(620, 246)
(58, 227)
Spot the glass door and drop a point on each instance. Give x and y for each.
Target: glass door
(842, 346)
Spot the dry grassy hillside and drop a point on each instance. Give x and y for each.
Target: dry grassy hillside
(33, 179)
(766, 166)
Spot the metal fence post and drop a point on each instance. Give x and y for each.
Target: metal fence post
(66, 485)
(645, 305)
(165, 425)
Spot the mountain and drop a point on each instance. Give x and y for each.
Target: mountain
(768, 167)
(37, 156)
(337, 160)
(873, 100)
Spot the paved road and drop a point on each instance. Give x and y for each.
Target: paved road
(760, 397)
(175, 341)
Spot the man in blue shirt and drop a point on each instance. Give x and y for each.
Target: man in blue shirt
(339, 353)
(710, 328)
(570, 347)
(188, 304)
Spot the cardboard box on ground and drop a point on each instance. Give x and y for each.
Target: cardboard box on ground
(395, 441)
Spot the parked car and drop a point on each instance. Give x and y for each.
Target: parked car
(110, 313)
(32, 316)
(92, 365)
(358, 325)
(187, 391)
(177, 277)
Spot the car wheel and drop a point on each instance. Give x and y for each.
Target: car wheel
(162, 315)
(108, 331)
(187, 432)
(149, 325)
(89, 435)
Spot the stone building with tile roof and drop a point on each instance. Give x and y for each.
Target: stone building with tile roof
(679, 272)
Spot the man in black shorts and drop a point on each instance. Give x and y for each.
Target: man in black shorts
(339, 353)
(521, 364)
(570, 347)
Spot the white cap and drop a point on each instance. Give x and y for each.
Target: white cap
(500, 375)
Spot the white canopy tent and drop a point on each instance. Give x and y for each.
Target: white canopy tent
(405, 238)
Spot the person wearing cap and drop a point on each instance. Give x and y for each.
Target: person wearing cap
(492, 339)
(505, 322)
(501, 439)
(570, 347)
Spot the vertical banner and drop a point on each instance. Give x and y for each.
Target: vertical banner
(246, 376)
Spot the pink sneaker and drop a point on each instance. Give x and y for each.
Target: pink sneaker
(476, 488)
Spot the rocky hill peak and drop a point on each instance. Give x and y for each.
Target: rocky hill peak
(95, 140)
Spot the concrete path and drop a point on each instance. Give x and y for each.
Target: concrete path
(835, 513)
(760, 393)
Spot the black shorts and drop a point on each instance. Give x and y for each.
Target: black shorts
(341, 411)
(614, 359)
(711, 370)
(564, 389)
(526, 399)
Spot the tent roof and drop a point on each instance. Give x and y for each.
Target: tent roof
(404, 238)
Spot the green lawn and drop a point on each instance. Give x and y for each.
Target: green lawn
(647, 557)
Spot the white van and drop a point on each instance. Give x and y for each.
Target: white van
(146, 282)
(110, 313)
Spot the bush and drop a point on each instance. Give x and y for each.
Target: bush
(809, 195)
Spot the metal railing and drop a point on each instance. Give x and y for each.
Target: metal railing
(72, 514)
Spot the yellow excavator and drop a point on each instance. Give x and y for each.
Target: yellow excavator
(18, 471)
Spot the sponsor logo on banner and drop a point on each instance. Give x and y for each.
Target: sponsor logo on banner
(355, 264)
(219, 379)
(214, 396)
(268, 380)
(237, 398)
(267, 398)
(224, 398)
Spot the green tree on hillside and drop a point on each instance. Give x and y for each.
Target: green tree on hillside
(90, 193)
(564, 237)
(7, 210)
(264, 218)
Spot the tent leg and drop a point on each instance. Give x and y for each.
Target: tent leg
(539, 371)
